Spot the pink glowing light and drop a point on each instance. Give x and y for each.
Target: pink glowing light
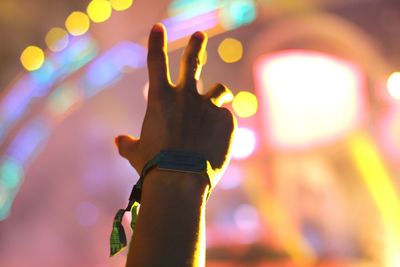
(308, 98)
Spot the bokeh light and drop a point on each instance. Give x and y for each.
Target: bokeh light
(77, 23)
(62, 100)
(44, 75)
(5, 205)
(186, 9)
(99, 10)
(245, 104)
(246, 217)
(57, 39)
(230, 50)
(237, 13)
(244, 143)
(120, 5)
(32, 58)
(393, 85)
(11, 173)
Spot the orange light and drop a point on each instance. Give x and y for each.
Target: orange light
(77, 23)
(32, 58)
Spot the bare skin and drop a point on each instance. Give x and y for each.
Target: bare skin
(170, 226)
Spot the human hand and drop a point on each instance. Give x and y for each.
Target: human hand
(177, 116)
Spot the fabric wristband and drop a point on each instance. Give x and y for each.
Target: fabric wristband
(167, 160)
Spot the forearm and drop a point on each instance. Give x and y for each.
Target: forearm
(170, 226)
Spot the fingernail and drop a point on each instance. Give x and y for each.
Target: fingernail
(199, 35)
(157, 28)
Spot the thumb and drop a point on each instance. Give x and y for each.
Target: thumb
(127, 146)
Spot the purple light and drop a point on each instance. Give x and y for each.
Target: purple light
(178, 28)
(27, 141)
(107, 68)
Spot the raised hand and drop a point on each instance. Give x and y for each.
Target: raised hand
(177, 116)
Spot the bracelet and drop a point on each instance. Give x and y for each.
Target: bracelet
(166, 160)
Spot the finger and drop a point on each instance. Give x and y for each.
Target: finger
(191, 62)
(157, 58)
(126, 145)
(219, 95)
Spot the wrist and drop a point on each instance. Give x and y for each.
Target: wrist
(175, 185)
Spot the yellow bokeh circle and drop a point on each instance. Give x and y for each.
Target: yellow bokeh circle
(99, 10)
(77, 23)
(120, 5)
(245, 104)
(230, 50)
(57, 39)
(32, 58)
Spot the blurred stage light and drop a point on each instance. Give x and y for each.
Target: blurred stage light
(245, 104)
(86, 214)
(28, 141)
(109, 67)
(5, 204)
(61, 100)
(232, 177)
(43, 76)
(11, 173)
(120, 5)
(380, 183)
(187, 9)
(22, 149)
(77, 23)
(246, 218)
(57, 39)
(236, 13)
(179, 27)
(244, 143)
(32, 58)
(99, 10)
(230, 50)
(393, 85)
(309, 97)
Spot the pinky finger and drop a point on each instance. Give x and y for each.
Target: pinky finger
(219, 95)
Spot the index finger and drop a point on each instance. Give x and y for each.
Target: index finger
(157, 58)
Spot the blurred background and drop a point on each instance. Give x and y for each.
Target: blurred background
(315, 174)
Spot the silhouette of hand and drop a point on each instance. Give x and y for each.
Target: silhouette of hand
(177, 116)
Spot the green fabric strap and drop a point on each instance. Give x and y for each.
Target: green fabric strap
(118, 237)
